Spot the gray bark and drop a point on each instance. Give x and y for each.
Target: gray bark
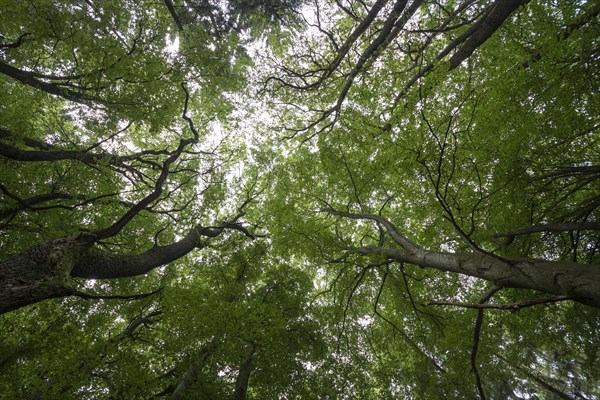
(192, 373)
(579, 281)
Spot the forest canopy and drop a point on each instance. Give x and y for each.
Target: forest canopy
(300, 199)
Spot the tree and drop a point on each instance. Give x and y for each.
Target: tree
(120, 103)
(345, 209)
(444, 139)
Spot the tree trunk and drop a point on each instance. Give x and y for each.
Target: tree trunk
(39, 273)
(192, 374)
(579, 281)
(243, 378)
(43, 271)
(500, 11)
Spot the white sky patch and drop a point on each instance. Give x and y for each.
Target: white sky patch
(172, 47)
(307, 365)
(365, 320)
(224, 372)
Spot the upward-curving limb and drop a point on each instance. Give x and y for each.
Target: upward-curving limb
(580, 281)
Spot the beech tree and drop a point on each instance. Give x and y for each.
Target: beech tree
(328, 199)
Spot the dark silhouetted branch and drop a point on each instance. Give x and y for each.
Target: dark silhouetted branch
(509, 307)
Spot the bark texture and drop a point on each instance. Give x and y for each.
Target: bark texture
(44, 271)
(581, 282)
(39, 273)
(499, 12)
(94, 263)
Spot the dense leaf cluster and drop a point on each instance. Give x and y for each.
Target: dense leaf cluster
(297, 200)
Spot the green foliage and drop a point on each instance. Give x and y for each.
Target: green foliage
(507, 140)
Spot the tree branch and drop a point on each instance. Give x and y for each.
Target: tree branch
(146, 320)
(471, 39)
(476, 336)
(244, 372)
(55, 153)
(553, 277)
(556, 227)
(192, 373)
(174, 14)
(573, 171)
(117, 226)
(537, 379)
(88, 296)
(510, 307)
(501, 10)
(94, 263)
(391, 229)
(16, 44)
(30, 79)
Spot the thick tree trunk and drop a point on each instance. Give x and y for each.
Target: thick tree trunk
(39, 273)
(243, 378)
(192, 374)
(500, 11)
(579, 281)
(44, 271)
